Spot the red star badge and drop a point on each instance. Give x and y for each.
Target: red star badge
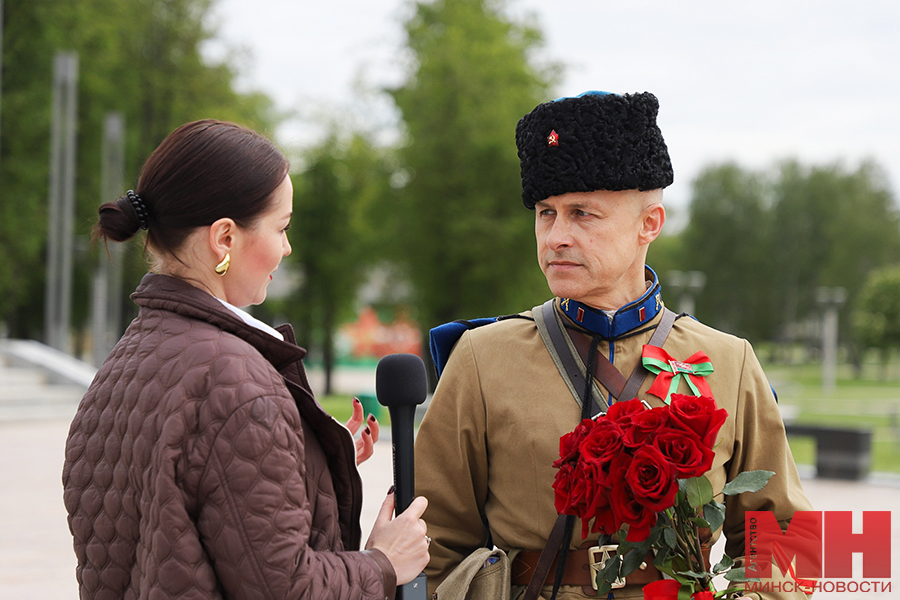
(553, 138)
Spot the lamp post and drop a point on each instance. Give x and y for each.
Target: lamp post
(686, 285)
(830, 299)
(61, 209)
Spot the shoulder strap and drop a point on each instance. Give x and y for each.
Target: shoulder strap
(640, 372)
(566, 357)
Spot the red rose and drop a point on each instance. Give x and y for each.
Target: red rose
(570, 491)
(651, 478)
(698, 414)
(622, 412)
(570, 443)
(602, 444)
(618, 467)
(627, 509)
(644, 425)
(687, 452)
(601, 510)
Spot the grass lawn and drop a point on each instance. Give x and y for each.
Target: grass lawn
(340, 407)
(867, 402)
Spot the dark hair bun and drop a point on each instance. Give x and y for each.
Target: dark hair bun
(118, 221)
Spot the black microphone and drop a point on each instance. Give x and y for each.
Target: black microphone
(401, 385)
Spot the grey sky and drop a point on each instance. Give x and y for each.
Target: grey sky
(753, 82)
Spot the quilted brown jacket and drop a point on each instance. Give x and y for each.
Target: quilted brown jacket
(199, 465)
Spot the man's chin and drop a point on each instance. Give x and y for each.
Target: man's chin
(564, 290)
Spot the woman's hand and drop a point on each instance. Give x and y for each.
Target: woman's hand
(365, 445)
(402, 539)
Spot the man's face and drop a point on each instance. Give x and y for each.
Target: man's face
(592, 245)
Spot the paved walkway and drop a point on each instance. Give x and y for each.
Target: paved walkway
(36, 557)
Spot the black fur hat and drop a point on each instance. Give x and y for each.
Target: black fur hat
(595, 141)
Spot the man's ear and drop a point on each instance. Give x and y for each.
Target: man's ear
(652, 220)
(222, 237)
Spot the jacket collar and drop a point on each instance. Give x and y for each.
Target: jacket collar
(625, 319)
(163, 292)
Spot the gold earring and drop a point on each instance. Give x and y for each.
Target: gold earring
(222, 267)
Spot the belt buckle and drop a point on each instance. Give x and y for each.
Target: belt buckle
(598, 565)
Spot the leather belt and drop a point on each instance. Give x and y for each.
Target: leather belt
(578, 568)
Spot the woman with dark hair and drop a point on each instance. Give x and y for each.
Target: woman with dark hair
(199, 465)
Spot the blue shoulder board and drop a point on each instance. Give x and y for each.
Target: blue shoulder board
(442, 338)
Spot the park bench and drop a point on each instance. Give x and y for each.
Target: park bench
(841, 452)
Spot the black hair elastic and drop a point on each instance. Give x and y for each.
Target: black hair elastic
(139, 208)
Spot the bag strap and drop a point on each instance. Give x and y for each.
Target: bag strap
(606, 373)
(640, 371)
(618, 386)
(563, 353)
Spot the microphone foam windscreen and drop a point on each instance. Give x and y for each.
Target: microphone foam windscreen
(400, 380)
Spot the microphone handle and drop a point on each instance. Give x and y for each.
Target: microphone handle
(405, 484)
(404, 461)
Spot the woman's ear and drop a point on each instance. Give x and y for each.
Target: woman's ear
(222, 237)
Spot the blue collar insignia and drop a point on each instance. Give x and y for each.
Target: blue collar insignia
(632, 315)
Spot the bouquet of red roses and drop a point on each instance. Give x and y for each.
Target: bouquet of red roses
(639, 472)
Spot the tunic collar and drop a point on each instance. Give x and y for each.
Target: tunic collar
(628, 317)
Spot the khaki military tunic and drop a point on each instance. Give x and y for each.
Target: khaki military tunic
(487, 443)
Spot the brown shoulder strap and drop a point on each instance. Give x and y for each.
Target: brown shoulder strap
(608, 375)
(640, 372)
(611, 378)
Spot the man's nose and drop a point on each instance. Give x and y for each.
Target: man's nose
(560, 234)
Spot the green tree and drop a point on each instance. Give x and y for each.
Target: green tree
(726, 238)
(768, 240)
(463, 235)
(334, 243)
(140, 58)
(876, 319)
(831, 227)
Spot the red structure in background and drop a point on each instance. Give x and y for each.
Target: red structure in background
(370, 338)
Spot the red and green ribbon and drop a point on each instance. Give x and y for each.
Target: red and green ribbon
(669, 372)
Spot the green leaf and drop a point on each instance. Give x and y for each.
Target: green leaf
(700, 522)
(612, 570)
(655, 534)
(670, 538)
(748, 481)
(723, 565)
(699, 491)
(681, 579)
(632, 560)
(695, 574)
(663, 560)
(714, 513)
(739, 574)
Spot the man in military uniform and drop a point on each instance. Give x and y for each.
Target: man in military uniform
(593, 170)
